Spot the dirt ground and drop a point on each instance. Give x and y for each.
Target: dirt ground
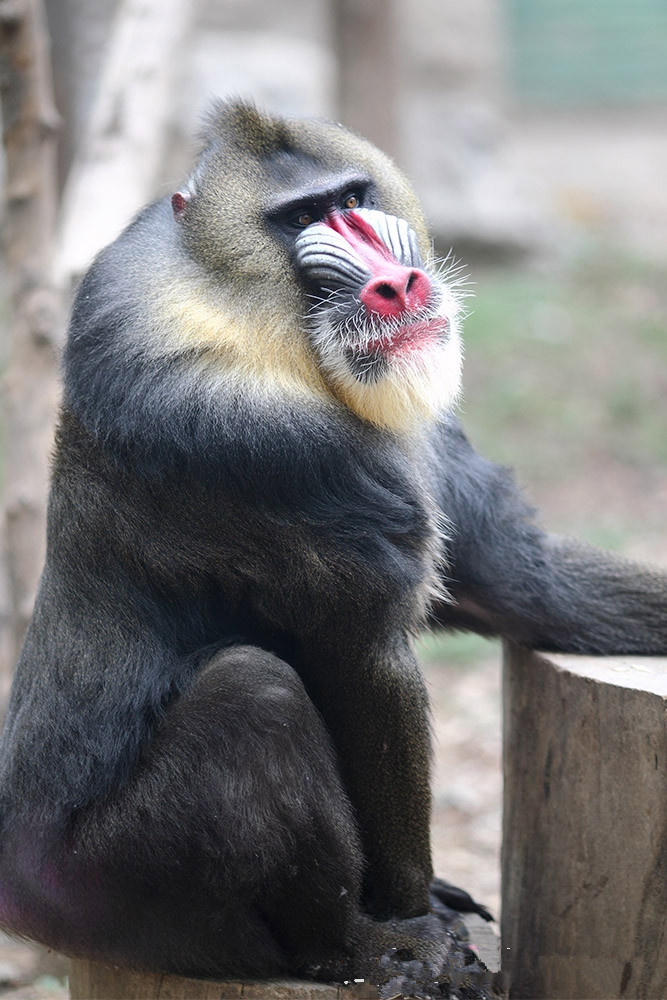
(467, 787)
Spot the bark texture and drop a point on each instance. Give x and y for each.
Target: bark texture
(29, 132)
(367, 60)
(585, 826)
(118, 159)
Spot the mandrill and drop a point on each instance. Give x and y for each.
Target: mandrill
(216, 757)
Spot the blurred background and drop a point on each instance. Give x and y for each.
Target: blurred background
(535, 132)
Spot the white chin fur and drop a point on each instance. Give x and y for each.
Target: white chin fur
(415, 386)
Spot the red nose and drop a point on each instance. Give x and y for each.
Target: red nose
(396, 290)
(393, 289)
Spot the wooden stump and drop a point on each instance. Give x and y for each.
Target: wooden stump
(585, 826)
(94, 981)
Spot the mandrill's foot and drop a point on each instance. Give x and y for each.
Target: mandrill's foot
(462, 977)
(418, 957)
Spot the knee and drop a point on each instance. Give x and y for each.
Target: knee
(253, 677)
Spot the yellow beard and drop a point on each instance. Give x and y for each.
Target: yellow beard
(262, 352)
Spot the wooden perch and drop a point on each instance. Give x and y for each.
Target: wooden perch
(92, 981)
(585, 826)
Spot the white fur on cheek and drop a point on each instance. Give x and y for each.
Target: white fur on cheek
(412, 387)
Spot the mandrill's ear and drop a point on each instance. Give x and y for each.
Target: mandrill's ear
(179, 203)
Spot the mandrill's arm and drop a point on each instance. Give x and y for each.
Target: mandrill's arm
(510, 578)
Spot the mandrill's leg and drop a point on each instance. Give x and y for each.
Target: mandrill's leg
(232, 850)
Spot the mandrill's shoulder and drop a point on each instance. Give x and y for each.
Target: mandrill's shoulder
(127, 266)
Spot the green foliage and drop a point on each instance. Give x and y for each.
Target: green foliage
(455, 649)
(568, 371)
(565, 52)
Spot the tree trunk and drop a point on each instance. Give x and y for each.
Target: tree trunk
(29, 129)
(79, 31)
(115, 168)
(585, 826)
(367, 57)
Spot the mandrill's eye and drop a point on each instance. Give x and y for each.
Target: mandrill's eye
(299, 218)
(351, 200)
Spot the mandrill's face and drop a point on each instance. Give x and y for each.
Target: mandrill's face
(342, 237)
(384, 328)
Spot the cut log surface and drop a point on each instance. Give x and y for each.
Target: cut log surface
(585, 826)
(93, 981)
